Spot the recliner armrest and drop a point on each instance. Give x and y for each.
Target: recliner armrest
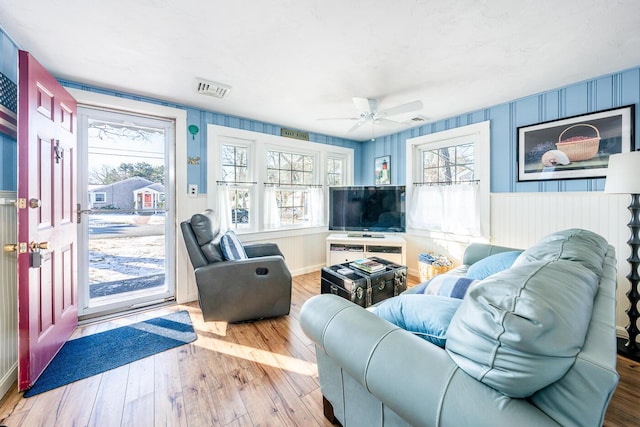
(255, 250)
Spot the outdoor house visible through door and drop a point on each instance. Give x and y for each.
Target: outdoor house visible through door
(126, 211)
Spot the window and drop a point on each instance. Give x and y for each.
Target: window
(235, 178)
(335, 171)
(285, 170)
(448, 181)
(448, 165)
(269, 182)
(99, 197)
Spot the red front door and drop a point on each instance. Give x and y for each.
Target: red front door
(47, 231)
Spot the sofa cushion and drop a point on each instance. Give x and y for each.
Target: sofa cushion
(446, 285)
(521, 329)
(427, 316)
(582, 246)
(492, 264)
(231, 246)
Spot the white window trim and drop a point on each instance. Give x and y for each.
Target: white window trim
(260, 143)
(480, 133)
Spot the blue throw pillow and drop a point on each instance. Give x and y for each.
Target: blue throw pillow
(231, 246)
(446, 285)
(492, 264)
(427, 316)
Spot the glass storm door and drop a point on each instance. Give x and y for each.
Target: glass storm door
(126, 251)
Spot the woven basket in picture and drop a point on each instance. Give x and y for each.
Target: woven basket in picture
(428, 271)
(579, 147)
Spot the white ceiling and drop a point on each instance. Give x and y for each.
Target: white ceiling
(291, 62)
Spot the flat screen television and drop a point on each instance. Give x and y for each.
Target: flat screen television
(367, 208)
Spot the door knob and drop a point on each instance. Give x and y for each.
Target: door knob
(34, 203)
(11, 247)
(35, 246)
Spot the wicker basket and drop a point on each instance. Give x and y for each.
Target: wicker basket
(583, 149)
(428, 271)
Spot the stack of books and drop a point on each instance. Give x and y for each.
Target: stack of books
(368, 265)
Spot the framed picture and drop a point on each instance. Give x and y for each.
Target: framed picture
(575, 147)
(382, 170)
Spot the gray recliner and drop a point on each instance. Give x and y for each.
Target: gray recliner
(235, 291)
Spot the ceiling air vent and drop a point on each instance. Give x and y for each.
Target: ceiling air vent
(217, 90)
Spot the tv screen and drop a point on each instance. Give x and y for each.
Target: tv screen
(367, 208)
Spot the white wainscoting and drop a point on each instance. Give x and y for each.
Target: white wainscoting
(8, 296)
(521, 219)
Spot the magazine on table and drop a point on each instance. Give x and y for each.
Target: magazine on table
(368, 265)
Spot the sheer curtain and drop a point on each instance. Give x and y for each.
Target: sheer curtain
(316, 206)
(426, 207)
(224, 208)
(461, 214)
(271, 213)
(448, 208)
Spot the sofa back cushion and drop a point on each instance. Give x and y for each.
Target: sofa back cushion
(582, 246)
(520, 330)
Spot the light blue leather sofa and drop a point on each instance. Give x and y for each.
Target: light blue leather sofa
(533, 345)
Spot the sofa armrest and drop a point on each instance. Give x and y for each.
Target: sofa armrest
(477, 251)
(407, 373)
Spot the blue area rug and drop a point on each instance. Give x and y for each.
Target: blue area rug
(97, 353)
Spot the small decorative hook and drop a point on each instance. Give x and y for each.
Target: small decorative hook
(193, 130)
(58, 151)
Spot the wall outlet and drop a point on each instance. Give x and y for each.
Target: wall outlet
(193, 190)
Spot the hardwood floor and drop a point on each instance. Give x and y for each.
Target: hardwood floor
(261, 373)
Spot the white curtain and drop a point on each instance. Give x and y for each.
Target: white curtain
(316, 206)
(449, 208)
(271, 213)
(426, 208)
(224, 208)
(461, 214)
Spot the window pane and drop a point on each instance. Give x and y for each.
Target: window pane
(273, 160)
(296, 163)
(241, 156)
(228, 173)
(228, 155)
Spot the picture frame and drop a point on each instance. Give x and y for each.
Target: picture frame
(575, 147)
(382, 170)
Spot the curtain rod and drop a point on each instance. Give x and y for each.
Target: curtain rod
(235, 182)
(471, 181)
(273, 184)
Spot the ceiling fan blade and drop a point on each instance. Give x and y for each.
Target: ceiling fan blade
(388, 123)
(399, 109)
(364, 105)
(357, 125)
(340, 118)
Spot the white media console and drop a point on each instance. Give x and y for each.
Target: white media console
(345, 247)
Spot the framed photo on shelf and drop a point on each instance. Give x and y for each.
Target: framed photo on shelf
(382, 170)
(574, 147)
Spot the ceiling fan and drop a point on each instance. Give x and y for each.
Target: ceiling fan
(368, 112)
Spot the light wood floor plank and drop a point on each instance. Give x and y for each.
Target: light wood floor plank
(234, 375)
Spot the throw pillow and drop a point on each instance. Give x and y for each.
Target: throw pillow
(231, 246)
(492, 264)
(426, 316)
(446, 285)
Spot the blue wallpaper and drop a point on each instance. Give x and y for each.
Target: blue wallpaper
(615, 90)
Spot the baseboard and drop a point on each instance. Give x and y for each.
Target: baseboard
(8, 380)
(305, 270)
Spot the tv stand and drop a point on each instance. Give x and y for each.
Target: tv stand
(343, 248)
